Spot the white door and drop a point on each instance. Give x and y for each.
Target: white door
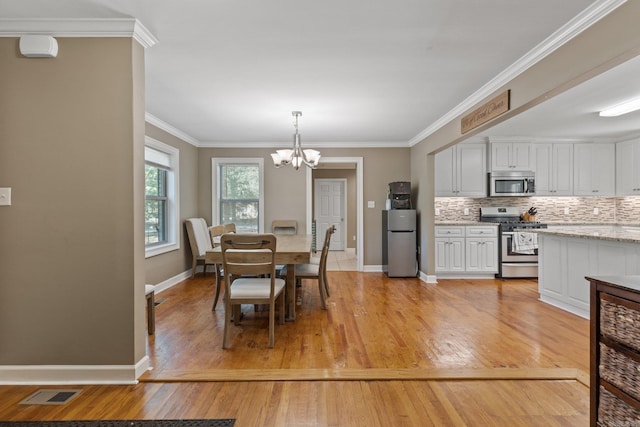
(330, 209)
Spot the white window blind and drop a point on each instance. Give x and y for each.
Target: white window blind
(157, 158)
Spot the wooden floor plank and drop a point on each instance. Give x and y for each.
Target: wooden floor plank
(385, 352)
(376, 374)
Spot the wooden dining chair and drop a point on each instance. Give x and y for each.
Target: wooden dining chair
(317, 271)
(216, 232)
(250, 255)
(229, 228)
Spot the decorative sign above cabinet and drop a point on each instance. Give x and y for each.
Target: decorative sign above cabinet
(486, 112)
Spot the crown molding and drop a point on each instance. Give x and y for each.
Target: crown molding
(315, 145)
(571, 29)
(162, 125)
(79, 27)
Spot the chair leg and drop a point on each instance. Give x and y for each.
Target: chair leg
(151, 313)
(272, 326)
(218, 286)
(227, 321)
(323, 298)
(281, 311)
(193, 267)
(326, 285)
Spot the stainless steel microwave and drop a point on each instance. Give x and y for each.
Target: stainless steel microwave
(512, 183)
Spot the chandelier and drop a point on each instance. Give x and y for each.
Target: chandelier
(297, 156)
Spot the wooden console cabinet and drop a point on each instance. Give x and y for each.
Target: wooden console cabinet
(615, 350)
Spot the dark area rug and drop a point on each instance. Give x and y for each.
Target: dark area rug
(123, 423)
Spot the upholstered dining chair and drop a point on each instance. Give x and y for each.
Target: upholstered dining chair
(317, 271)
(215, 233)
(250, 255)
(200, 242)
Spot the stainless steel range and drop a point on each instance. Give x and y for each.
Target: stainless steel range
(512, 261)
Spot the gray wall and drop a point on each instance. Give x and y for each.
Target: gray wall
(72, 245)
(162, 267)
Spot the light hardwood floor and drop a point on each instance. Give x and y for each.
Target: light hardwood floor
(386, 352)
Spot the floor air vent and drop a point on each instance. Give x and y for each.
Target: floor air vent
(50, 397)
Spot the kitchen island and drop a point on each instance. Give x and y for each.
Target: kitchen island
(569, 253)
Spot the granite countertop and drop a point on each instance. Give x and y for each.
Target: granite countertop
(463, 223)
(614, 233)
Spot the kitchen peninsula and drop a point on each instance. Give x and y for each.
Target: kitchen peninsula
(569, 253)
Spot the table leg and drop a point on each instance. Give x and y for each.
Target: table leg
(291, 292)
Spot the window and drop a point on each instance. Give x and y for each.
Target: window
(238, 193)
(161, 215)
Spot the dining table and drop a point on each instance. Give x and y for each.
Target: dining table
(290, 250)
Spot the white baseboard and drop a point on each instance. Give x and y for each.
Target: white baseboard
(172, 281)
(72, 375)
(428, 278)
(372, 269)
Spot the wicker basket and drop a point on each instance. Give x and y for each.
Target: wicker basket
(615, 412)
(620, 371)
(620, 323)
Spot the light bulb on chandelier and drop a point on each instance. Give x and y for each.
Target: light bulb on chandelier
(297, 156)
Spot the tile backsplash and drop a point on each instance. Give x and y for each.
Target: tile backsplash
(583, 210)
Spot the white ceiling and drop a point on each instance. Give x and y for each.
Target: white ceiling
(573, 115)
(374, 72)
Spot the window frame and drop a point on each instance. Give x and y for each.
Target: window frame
(216, 162)
(173, 199)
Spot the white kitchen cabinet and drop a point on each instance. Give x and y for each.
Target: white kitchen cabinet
(481, 249)
(461, 171)
(553, 165)
(628, 168)
(466, 250)
(565, 261)
(449, 249)
(594, 169)
(508, 156)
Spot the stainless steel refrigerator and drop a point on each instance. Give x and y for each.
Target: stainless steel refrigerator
(399, 257)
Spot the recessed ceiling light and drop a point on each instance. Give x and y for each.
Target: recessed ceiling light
(620, 109)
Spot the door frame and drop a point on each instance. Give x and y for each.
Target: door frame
(359, 202)
(343, 201)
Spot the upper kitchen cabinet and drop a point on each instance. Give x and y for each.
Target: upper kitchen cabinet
(508, 156)
(461, 171)
(628, 168)
(594, 169)
(553, 165)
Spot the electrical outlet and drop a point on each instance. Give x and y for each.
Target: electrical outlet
(596, 211)
(466, 211)
(566, 211)
(354, 238)
(437, 211)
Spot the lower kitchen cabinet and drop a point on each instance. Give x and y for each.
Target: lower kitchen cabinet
(466, 250)
(565, 261)
(481, 249)
(481, 255)
(449, 249)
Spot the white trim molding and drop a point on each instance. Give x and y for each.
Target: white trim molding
(359, 161)
(171, 130)
(78, 27)
(70, 374)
